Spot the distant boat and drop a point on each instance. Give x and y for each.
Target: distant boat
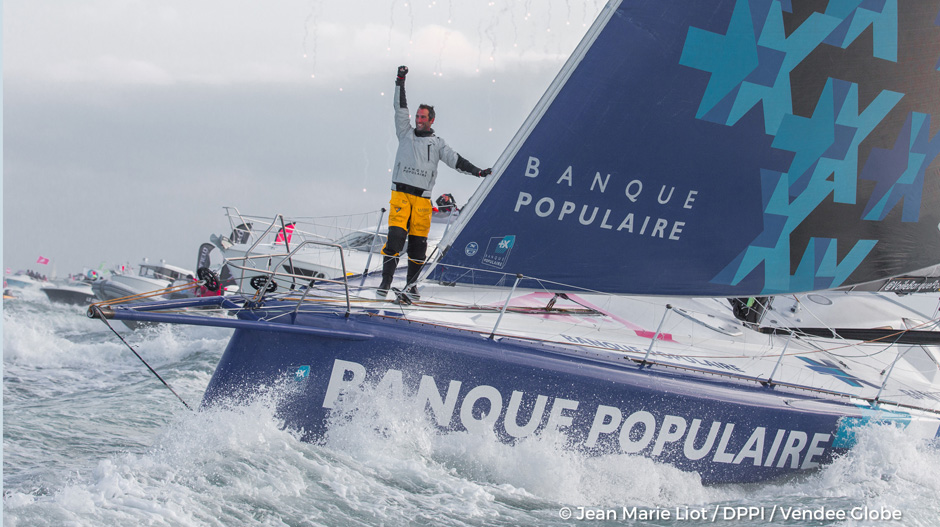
(22, 281)
(151, 281)
(72, 292)
(652, 269)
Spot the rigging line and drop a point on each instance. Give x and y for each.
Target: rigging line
(697, 370)
(886, 339)
(150, 294)
(819, 349)
(802, 305)
(850, 343)
(105, 320)
(796, 332)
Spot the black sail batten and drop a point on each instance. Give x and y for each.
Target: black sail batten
(886, 336)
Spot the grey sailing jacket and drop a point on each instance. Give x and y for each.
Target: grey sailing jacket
(418, 155)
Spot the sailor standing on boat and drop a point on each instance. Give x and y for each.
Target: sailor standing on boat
(419, 151)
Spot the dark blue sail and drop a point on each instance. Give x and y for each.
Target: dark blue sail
(726, 148)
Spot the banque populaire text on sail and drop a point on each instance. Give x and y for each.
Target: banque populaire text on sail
(545, 207)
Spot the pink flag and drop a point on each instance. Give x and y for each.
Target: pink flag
(42, 260)
(284, 233)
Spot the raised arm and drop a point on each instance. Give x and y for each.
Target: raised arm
(402, 120)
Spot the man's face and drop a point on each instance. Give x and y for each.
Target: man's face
(422, 121)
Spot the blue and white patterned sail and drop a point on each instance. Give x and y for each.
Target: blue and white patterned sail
(727, 147)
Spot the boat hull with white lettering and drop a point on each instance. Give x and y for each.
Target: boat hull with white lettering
(727, 431)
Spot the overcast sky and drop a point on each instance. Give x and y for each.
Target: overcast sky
(129, 124)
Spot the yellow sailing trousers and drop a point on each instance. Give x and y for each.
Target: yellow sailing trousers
(411, 213)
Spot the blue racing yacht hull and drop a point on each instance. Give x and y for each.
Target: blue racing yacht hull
(725, 429)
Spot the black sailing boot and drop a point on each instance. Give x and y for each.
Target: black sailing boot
(388, 271)
(411, 290)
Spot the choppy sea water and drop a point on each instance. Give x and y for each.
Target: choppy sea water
(92, 438)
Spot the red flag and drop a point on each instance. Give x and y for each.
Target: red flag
(42, 260)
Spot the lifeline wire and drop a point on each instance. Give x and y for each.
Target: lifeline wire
(103, 319)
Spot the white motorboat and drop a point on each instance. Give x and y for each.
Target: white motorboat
(151, 282)
(73, 292)
(22, 280)
(297, 251)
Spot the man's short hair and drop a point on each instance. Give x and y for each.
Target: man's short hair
(430, 110)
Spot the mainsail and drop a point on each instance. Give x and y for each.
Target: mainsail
(726, 148)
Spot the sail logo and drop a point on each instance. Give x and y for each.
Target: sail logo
(506, 244)
(472, 248)
(302, 373)
(497, 251)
